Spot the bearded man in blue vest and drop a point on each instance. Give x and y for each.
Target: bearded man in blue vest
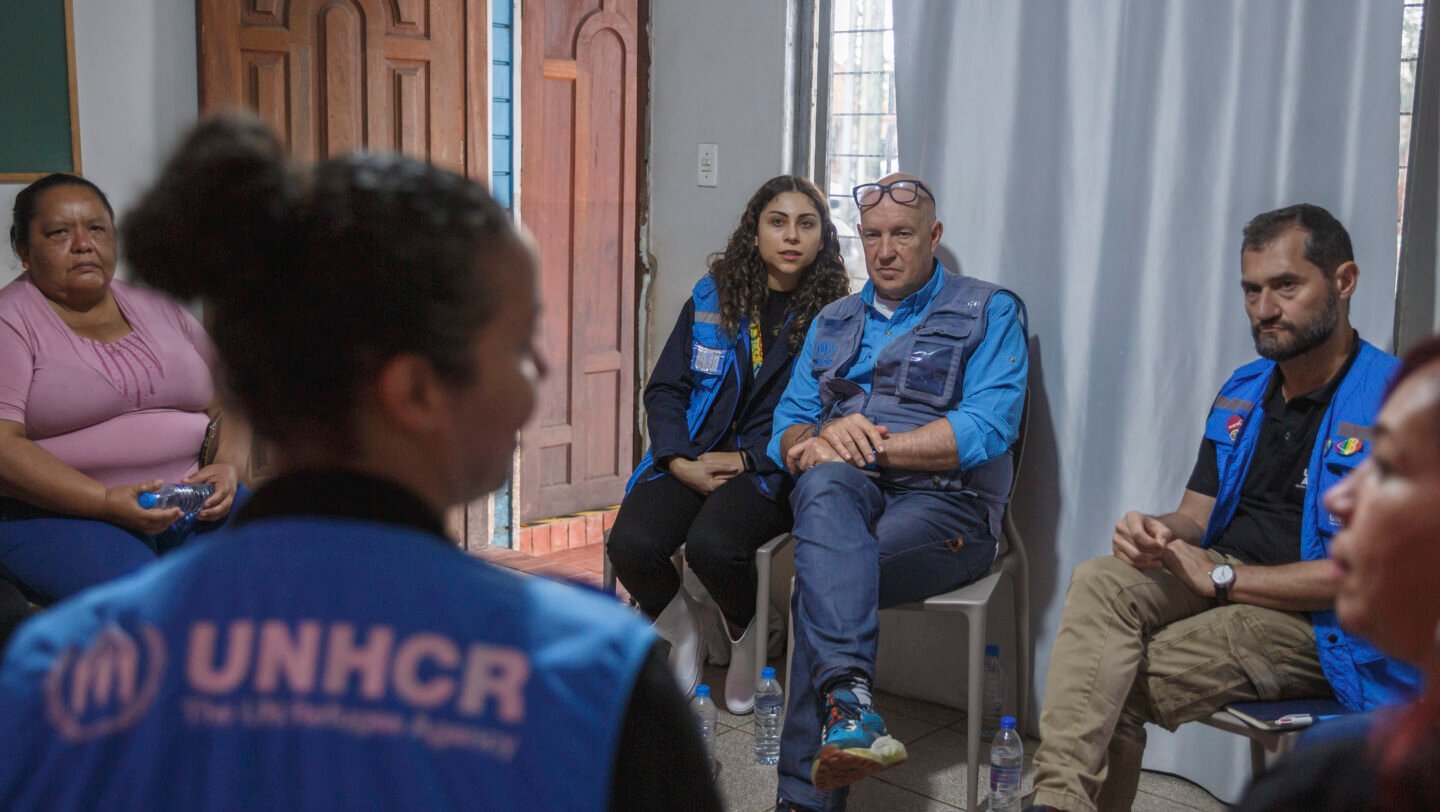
(898, 421)
(1230, 598)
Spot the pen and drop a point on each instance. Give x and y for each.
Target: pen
(1303, 719)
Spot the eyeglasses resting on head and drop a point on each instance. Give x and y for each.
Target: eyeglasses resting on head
(900, 191)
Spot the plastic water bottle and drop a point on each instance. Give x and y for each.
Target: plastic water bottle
(189, 498)
(769, 699)
(993, 704)
(704, 709)
(1007, 759)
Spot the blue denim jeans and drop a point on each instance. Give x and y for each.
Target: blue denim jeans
(51, 556)
(861, 546)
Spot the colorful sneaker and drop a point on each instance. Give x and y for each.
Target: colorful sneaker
(854, 745)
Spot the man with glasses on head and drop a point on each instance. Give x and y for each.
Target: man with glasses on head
(898, 421)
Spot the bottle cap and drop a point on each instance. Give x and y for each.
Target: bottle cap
(1007, 721)
(992, 650)
(148, 500)
(702, 690)
(767, 673)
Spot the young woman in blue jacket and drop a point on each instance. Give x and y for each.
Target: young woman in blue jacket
(706, 482)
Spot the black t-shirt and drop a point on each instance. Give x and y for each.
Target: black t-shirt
(772, 318)
(1266, 526)
(772, 321)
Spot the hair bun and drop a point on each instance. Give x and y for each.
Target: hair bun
(216, 219)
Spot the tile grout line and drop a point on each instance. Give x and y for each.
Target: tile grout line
(881, 778)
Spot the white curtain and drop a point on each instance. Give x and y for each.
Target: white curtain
(1100, 157)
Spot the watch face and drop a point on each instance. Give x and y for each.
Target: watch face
(1223, 574)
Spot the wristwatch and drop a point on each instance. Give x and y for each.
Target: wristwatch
(1223, 577)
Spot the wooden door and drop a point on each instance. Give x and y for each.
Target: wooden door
(335, 76)
(579, 127)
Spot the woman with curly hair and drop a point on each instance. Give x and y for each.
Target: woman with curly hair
(706, 482)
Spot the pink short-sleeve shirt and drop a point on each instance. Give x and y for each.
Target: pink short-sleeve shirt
(120, 412)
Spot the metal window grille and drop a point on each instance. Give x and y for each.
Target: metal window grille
(861, 142)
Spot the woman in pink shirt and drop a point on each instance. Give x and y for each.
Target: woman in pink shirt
(106, 391)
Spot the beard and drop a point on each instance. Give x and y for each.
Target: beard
(1297, 339)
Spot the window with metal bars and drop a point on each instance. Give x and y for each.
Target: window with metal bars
(1409, 60)
(861, 139)
(861, 142)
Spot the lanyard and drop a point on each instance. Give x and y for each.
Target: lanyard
(757, 351)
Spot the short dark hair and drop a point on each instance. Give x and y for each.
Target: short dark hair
(24, 212)
(1327, 243)
(316, 277)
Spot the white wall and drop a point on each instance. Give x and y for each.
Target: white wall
(717, 76)
(136, 79)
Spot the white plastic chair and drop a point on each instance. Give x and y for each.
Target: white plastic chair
(973, 601)
(766, 559)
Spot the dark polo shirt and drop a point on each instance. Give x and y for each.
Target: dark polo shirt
(1266, 525)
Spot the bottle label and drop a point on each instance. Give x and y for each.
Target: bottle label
(1004, 781)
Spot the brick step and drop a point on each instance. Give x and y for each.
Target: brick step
(565, 532)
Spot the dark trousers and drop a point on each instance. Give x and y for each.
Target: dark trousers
(720, 532)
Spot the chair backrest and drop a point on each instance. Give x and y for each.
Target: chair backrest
(1008, 534)
(1017, 450)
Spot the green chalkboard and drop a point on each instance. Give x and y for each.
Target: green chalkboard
(39, 130)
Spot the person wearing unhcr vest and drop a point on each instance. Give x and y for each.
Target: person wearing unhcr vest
(334, 650)
(1230, 598)
(706, 482)
(898, 422)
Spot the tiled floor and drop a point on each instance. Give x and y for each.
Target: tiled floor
(933, 779)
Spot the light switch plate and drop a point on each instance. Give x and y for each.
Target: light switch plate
(708, 168)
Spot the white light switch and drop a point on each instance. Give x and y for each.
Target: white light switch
(708, 170)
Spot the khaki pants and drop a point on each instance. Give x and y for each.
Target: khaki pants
(1137, 646)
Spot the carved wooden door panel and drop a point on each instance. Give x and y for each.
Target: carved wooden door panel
(580, 119)
(334, 76)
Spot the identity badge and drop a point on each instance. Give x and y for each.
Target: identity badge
(707, 359)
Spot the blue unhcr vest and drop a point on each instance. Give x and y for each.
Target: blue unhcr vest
(307, 663)
(1361, 676)
(918, 378)
(713, 357)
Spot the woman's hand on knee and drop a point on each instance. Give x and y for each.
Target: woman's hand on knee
(694, 475)
(122, 508)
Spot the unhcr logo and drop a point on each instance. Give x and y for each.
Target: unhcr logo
(106, 686)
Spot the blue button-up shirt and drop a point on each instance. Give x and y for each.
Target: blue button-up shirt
(986, 422)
